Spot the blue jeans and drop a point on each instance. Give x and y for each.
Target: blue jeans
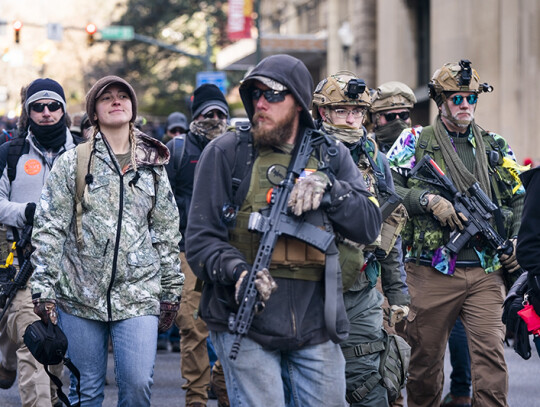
(134, 343)
(311, 376)
(460, 378)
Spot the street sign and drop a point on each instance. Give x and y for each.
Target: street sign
(55, 31)
(218, 78)
(117, 33)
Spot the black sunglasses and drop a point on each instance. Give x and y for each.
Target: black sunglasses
(393, 116)
(471, 99)
(272, 96)
(213, 113)
(52, 106)
(177, 130)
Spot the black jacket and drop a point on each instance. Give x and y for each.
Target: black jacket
(528, 245)
(181, 171)
(294, 315)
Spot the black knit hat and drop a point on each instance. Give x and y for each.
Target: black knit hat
(44, 88)
(208, 97)
(97, 90)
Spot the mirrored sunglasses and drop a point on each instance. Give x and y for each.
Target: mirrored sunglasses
(471, 99)
(52, 106)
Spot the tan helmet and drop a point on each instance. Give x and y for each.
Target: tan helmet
(455, 77)
(342, 88)
(392, 95)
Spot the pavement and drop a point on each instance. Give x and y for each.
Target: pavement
(167, 390)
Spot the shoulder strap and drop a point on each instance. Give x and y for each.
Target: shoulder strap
(16, 147)
(179, 143)
(83, 159)
(56, 380)
(377, 170)
(244, 148)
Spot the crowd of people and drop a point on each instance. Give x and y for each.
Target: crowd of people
(353, 286)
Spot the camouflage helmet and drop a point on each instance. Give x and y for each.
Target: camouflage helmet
(455, 77)
(392, 95)
(342, 88)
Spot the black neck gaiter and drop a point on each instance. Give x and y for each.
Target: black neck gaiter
(51, 137)
(386, 135)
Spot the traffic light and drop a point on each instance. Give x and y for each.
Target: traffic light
(91, 29)
(17, 25)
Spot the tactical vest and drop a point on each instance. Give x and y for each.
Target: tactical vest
(351, 254)
(424, 232)
(291, 258)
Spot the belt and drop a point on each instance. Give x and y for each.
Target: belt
(459, 264)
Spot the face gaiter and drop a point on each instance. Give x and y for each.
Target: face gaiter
(51, 137)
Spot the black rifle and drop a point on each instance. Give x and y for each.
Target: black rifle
(9, 289)
(278, 222)
(477, 208)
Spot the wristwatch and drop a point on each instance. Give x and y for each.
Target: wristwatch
(424, 200)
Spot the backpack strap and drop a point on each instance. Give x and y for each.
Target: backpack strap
(84, 151)
(16, 149)
(244, 148)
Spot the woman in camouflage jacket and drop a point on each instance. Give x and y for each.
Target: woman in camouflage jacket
(114, 267)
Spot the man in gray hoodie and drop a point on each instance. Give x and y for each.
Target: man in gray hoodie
(21, 180)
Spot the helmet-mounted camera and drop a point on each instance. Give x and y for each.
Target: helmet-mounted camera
(466, 72)
(355, 87)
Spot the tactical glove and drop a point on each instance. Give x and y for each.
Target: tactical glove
(29, 212)
(444, 211)
(395, 314)
(46, 310)
(308, 192)
(264, 283)
(533, 292)
(509, 261)
(167, 314)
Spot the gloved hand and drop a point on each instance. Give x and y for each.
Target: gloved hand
(533, 282)
(395, 314)
(46, 310)
(29, 212)
(445, 213)
(509, 261)
(307, 193)
(167, 314)
(264, 283)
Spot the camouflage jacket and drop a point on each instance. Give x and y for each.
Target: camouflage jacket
(128, 261)
(403, 156)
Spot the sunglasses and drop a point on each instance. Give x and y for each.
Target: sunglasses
(52, 106)
(471, 99)
(272, 96)
(393, 116)
(344, 113)
(176, 130)
(214, 113)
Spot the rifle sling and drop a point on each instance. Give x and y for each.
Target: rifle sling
(332, 289)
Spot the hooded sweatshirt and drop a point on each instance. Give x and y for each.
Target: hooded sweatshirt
(294, 314)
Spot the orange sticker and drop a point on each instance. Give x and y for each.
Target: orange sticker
(32, 167)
